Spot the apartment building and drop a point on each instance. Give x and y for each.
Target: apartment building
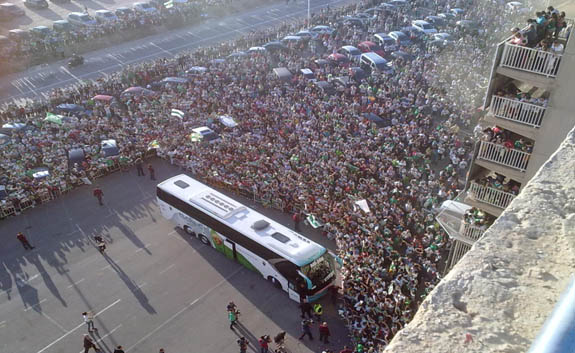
(530, 108)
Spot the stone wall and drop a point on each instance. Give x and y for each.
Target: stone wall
(498, 296)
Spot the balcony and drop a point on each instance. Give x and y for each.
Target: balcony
(530, 60)
(472, 232)
(490, 196)
(501, 155)
(517, 111)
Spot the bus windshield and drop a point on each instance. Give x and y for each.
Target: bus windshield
(320, 271)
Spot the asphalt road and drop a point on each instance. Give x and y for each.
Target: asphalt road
(37, 82)
(155, 287)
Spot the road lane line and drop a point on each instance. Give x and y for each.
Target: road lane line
(145, 247)
(35, 305)
(167, 269)
(106, 335)
(162, 49)
(2, 323)
(53, 321)
(71, 74)
(141, 285)
(173, 317)
(76, 283)
(77, 327)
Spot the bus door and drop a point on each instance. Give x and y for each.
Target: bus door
(230, 250)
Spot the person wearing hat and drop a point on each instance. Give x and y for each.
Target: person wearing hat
(119, 349)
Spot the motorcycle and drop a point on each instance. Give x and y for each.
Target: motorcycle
(76, 61)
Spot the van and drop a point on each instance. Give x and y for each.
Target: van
(372, 62)
(207, 135)
(351, 52)
(385, 42)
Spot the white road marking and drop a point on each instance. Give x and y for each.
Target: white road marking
(76, 283)
(71, 74)
(162, 49)
(35, 305)
(77, 327)
(167, 269)
(116, 58)
(2, 323)
(143, 248)
(53, 321)
(171, 318)
(106, 335)
(141, 285)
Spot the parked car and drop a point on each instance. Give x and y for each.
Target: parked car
(206, 135)
(105, 16)
(423, 26)
(339, 59)
(36, 4)
(40, 31)
(353, 22)
(516, 7)
(275, 46)
(18, 35)
(9, 11)
(386, 42)
(400, 38)
(351, 52)
(60, 1)
(446, 37)
(436, 21)
(144, 7)
(81, 19)
(387, 7)
(322, 30)
(369, 46)
(123, 11)
(306, 34)
(62, 26)
(448, 17)
(457, 12)
(399, 3)
(468, 26)
(413, 33)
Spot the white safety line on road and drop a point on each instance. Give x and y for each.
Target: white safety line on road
(173, 317)
(116, 58)
(145, 247)
(75, 283)
(2, 323)
(77, 327)
(71, 74)
(167, 269)
(106, 335)
(35, 305)
(53, 321)
(162, 49)
(141, 285)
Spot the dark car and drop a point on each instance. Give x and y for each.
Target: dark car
(400, 38)
(40, 31)
(354, 22)
(9, 11)
(436, 21)
(36, 4)
(275, 46)
(62, 26)
(399, 54)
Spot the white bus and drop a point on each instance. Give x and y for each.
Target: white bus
(287, 259)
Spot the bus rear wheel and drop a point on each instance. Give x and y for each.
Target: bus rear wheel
(204, 239)
(189, 231)
(275, 282)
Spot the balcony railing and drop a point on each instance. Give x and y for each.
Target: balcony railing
(490, 195)
(472, 232)
(521, 112)
(509, 157)
(531, 60)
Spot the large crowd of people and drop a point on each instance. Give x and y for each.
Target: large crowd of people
(296, 146)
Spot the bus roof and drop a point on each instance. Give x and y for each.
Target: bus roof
(274, 236)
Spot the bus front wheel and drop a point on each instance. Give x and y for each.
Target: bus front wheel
(204, 239)
(275, 282)
(189, 231)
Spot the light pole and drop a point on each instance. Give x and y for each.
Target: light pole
(309, 12)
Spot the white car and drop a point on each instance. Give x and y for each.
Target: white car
(322, 30)
(206, 134)
(144, 7)
(424, 26)
(516, 7)
(105, 16)
(81, 19)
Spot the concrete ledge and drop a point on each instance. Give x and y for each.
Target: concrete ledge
(498, 296)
